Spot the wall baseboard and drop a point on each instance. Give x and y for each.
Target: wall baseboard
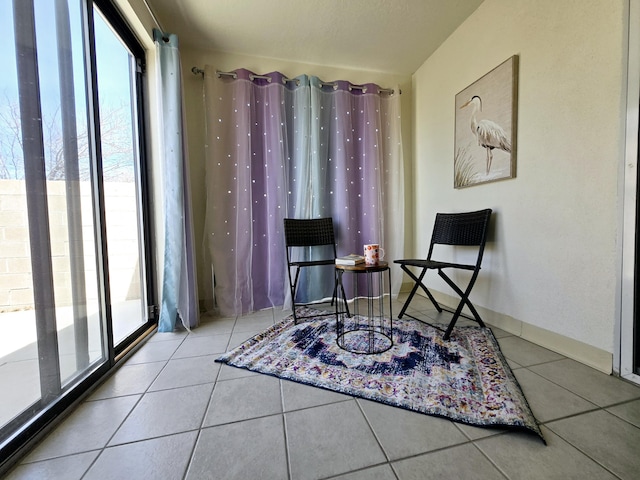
(581, 352)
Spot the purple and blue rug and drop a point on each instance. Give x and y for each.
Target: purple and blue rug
(465, 379)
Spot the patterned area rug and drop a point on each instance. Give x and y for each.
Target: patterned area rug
(465, 379)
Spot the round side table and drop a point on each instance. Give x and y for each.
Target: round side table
(360, 333)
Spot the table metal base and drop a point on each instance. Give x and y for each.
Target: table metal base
(359, 333)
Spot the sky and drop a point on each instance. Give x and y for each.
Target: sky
(112, 60)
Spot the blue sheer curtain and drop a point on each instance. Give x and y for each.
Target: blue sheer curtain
(300, 148)
(179, 291)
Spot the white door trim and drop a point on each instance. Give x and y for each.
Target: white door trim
(623, 362)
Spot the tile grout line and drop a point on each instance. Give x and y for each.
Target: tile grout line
(384, 452)
(216, 381)
(594, 460)
(141, 396)
(287, 453)
(287, 450)
(494, 464)
(206, 409)
(591, 410)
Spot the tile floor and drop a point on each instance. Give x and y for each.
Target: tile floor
(170, 412)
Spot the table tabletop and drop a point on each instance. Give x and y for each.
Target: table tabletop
(362, 267)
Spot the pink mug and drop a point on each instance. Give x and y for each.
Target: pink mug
(373, 254)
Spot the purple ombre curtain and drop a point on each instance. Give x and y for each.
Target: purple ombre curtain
(298, 148)
(349, 150)
(250, 140)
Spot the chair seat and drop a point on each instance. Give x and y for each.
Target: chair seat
(313, 263)
(422, 263)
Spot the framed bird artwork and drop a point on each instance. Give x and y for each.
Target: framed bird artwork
(485, 135)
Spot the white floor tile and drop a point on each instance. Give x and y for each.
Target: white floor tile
(297, 396)
(229, 373)
(70, 467)
(155, 352)
(629, 411)
(240, 451)
(159, 458)
(600, 388)
(129, 380)
(330, 440)
(618, 453)
(205, 345)
(461, 462)
(403, 433)
(88, 428)
(526, 353)
(215, 326)
(547, 400)
(165, 413)
(381, 472)
(184, 372)
(244, 398)
(523, 456)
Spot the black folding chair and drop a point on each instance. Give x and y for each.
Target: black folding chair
(308, 233)
(455, 229)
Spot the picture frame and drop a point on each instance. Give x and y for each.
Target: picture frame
(486, 115)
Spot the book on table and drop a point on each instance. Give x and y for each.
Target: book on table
(352, 259)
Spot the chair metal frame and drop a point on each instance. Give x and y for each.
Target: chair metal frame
(454, 229)
(308, 233)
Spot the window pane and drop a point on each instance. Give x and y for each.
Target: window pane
(76, 341)
(69, 189)
(19, 373)
(72, 258)
(116, 73)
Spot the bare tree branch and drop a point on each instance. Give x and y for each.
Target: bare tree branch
(116, 137)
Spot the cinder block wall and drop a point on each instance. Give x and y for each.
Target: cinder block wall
(16, 287)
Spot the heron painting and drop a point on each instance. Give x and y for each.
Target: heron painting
(486, 127)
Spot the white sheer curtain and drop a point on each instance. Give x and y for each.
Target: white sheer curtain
(179, 288)
(358, 175)
(253, 140)
(300, 148)
(393, 184)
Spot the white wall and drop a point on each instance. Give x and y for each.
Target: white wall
(551, 262)
(193, 86)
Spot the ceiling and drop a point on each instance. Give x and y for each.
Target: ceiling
(391, 36)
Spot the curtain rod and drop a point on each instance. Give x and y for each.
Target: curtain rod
(153, 15)
(199, 71)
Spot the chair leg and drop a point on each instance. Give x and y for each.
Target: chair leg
(338, 281)
(452, 323)
(293, 287)
(464, 300)
(346, 303)
(409, 298)
(417, 283)
(335, 295)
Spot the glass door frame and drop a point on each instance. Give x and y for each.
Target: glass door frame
(627, 353)
(122, 29)
(27, 427)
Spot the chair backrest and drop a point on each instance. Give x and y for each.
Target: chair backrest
(467, 228)
(308, 232)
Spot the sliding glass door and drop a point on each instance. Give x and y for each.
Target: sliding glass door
(74, 280)
(117, 69)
